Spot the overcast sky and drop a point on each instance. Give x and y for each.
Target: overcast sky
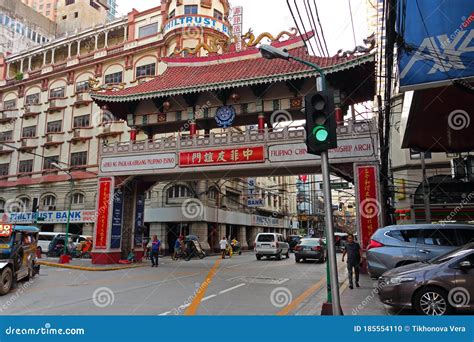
(274, 16)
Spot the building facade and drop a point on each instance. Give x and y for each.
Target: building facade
(48, 120)
(22, 28)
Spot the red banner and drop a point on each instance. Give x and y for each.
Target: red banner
(369, 207)
(242, 155)
(103, 210)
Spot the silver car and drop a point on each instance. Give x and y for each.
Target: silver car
(395, 246)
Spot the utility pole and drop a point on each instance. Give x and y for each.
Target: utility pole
(426, 188)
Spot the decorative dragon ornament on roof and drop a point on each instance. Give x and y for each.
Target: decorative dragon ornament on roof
(223, 45)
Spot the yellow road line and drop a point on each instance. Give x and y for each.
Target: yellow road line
(192, 309)
(302, 297)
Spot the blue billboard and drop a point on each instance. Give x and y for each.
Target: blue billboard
(436, 44)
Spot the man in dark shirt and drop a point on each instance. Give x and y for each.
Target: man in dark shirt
(352, 250)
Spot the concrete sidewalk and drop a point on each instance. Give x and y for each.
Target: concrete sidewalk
(86, 265)
(362, 301)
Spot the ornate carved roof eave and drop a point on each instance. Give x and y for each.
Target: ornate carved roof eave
(232, 84)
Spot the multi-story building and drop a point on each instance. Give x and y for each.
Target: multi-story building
(48, 8)
(112, 11)
(51, 131)
(22, 28)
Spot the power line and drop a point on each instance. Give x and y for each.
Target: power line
(352, 22)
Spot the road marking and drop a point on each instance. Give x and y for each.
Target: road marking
(165, 313)
(192, 309)
(208, 297)
(232, 288)
(295, 303)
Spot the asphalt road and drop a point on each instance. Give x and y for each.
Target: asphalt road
(238, 286)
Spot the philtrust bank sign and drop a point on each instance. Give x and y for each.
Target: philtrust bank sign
(196, 21)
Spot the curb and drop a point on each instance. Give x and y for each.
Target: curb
(91, 269)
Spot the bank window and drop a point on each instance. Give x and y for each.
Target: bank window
(146, 70)
(6, 136)
(191, 9)
(82, 87)
(49, 201)
(114, 78)
(4, 169)
(147, 30)
(32, 99)
(218, 15)
(10, 104)
(78, 198)
(57, 93)
(26, 166)
(79, 159)
(54, 127)
(172, 14)
(81, 121)
(49, 162)
(24, 204)
(29, 132)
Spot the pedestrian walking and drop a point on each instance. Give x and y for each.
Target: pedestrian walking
(223, 246)
(352, 250)
(155, 251)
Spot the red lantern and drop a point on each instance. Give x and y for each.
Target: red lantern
(166, 106)
(235, 97)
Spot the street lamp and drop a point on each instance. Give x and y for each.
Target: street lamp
(64, 259)
(333, 298)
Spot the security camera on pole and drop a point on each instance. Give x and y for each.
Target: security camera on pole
(321, 135)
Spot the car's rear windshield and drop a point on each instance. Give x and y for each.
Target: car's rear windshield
(266, 238)
(309, 242)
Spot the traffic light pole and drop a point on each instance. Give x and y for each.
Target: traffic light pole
(333, 304)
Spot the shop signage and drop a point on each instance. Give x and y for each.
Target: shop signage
(437, 38)
(103, 213)
(237, 25)
(138, 162)
(5, 230)
(49, 217)
(368, 201)
(195, 20)
(255, 202)
(243, 155)
(349, 148)
(117, 218)
(139, 220)
(267, 221)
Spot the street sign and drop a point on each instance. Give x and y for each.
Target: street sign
(338, 186)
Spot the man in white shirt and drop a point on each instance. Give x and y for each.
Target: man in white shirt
(223, 246)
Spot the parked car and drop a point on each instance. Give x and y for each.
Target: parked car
(435, 287)
(395, 246)
(44, 240)
(17, 255)
(271, 244)
(312, 249)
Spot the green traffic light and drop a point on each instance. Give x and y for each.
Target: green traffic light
(321, 133)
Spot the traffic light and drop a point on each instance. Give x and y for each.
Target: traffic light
(321, 133)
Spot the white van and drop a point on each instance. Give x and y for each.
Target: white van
(44, 239)
(271, 244)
